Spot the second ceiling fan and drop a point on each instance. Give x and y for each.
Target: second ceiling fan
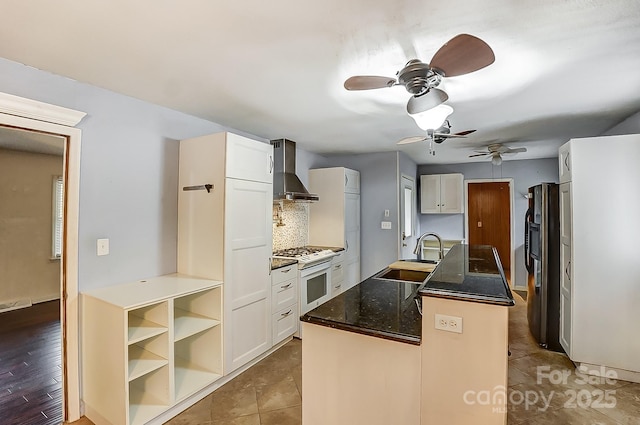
(461, 55)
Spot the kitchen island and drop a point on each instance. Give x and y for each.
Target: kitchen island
(370, 357)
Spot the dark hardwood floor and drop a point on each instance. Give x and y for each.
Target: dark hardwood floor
(30, 365)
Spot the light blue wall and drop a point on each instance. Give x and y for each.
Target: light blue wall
(378, 192)
(525, 173)
(128, 178)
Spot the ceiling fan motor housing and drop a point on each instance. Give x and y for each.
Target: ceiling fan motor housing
(418, 77)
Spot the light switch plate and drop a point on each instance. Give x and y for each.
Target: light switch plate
(385, 225)
(103, 247)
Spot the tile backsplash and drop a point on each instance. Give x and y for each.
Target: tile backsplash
(294, 220)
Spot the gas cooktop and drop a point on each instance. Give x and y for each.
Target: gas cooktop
(306, 255)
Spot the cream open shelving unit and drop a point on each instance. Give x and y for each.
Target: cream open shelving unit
(148, 345)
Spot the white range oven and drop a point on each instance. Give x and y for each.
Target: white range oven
(314, 273)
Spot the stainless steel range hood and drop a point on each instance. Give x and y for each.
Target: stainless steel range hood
(286, 185)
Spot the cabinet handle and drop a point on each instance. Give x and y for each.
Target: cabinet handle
(269, 266)
(567, 270)
(206, 187)
(566, 162)
(338, 287)
(337, 266)
(346, 245)
(286, 286)
(270, 164)
(346, 180)
(285, 314)
(285, 271)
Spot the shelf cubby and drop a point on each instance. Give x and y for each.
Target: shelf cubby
(149, 396)
(195, 313)
(197, 361)
(148, 355)
(147, 322)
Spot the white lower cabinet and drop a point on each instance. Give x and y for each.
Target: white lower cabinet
(337, 275)
(284, 302)
(148, 345)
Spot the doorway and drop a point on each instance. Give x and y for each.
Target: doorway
(31, 167)
(407, 217)
(43, 118)
(489, 218)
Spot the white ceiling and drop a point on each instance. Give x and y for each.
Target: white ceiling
(31, 141)
(275, 68)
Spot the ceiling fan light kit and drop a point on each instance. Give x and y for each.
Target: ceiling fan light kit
(496, 159)
(432, 118)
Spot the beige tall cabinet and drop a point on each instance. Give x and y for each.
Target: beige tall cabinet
(334, 220)
(599, 268)
(225, 233)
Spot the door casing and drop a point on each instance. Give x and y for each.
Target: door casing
(36, 116)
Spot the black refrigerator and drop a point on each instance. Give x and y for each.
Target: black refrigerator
(542, 260)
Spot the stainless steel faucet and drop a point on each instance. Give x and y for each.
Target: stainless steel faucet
(418, 249)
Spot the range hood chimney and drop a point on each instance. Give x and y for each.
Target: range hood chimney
(286, 185)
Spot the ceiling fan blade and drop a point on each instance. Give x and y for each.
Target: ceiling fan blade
(516, 150)
(464, 133)
(368, 82)
(461, 55)
(480, 154)
(449, 136)
(430, 99)
(413, 139)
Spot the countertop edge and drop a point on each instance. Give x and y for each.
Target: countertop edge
(406, 339)
(505, 302)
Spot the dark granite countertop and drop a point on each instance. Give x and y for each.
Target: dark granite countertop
(469, 273)
(376, 307)
(277, 263)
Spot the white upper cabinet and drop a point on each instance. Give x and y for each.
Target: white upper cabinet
(441, 194)
(564, 157)
(247, 159)
(351, 181)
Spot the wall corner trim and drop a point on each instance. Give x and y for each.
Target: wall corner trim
(27, 108)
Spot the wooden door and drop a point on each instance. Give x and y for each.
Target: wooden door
(490, 218)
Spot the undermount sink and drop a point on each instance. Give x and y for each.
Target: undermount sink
(404, 275)
(415, 260)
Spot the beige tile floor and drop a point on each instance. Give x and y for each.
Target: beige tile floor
(269, 393)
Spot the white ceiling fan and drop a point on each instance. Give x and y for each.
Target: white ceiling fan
(496, 150)
(438, 136)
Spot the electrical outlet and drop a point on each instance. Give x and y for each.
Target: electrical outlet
(385, 225)
(448, 323)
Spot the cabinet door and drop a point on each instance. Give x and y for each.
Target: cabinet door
(249, 159)
(430, 194)
(566, 271)
(564, 158)
(351, 273)
(351, 181)
(352, 226)
(247, 282)
(285, 323)
(451, 189)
